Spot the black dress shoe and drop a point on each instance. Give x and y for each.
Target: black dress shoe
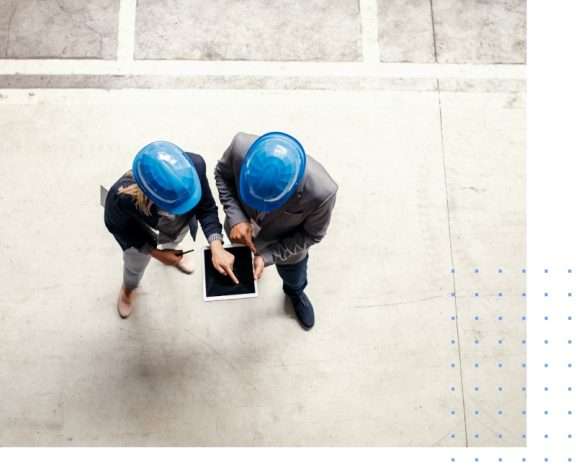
(304, 310)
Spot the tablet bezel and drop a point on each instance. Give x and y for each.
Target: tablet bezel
(227, 297)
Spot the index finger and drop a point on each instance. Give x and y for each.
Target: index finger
(250, 243)
(231, 274)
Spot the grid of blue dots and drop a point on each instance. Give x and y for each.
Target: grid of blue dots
(504, 364)
(557, 366)
(558, 362)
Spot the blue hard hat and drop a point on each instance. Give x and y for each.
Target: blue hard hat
(167, 177)
(271, 171)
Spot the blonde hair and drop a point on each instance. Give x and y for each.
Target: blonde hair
(143, 204)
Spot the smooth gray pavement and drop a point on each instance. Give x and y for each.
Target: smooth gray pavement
(58, 29)
(319, 30)
(423, 31)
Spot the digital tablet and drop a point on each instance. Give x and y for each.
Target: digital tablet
(218, 287)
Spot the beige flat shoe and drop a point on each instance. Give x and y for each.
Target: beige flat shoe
(185, 266)
(125, 304)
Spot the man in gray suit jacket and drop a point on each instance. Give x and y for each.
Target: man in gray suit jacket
(278, 201)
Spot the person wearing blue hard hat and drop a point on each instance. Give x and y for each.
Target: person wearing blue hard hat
(278, 201)
(163, 196)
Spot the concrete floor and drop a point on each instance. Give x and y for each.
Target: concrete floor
(444, 31)
(387, 363)
(418, 287)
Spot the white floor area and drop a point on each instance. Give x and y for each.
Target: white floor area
(418, 287)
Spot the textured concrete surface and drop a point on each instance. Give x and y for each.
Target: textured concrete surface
(418, 287)
(324, 30)
(421, 31)
(502, 86)
(81, 81)
(405, 31)
(58, 29)
(484, 138)
(216, 82)
(480, 31)
(382, 367)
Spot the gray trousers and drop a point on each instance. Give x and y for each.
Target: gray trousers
(135, 262)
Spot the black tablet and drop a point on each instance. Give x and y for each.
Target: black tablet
(218, 287)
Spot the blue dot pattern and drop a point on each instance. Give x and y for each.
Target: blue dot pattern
(490, 319)
(492, 343)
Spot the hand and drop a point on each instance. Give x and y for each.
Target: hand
(167, 256)
(241, 233)
(258, 267)
(223, 261)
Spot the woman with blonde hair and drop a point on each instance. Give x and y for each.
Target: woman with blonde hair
(163, 196)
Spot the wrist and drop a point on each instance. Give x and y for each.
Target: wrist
(237, 222)
(216, 245)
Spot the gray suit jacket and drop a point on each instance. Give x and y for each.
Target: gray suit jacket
(285, 233)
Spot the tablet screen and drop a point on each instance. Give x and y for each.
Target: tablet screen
(217, 286)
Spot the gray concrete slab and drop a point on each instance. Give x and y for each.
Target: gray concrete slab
(480, 31)
(482, 86)
(216, 82)
(279, 30)
(377, 368)
(260, 82)
(405, 31)
(58, 29)
(484, 139)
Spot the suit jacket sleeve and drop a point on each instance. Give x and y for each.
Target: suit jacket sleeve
(226, 184)
(311, 232)
(206, 211)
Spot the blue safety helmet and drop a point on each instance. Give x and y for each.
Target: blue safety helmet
(271, 171)
(167, 177)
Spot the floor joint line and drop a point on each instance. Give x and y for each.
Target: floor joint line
(433, 31)
(453, 272)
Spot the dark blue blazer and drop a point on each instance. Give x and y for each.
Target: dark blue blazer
(131, 228)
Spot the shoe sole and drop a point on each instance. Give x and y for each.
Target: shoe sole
(305, 327)
(181, 270)
(120, 312)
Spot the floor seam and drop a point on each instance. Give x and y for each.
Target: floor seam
(453, 272)
(251, 68)
(433, 32)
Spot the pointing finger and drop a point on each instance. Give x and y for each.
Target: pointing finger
(250, 244)
(231, 274)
